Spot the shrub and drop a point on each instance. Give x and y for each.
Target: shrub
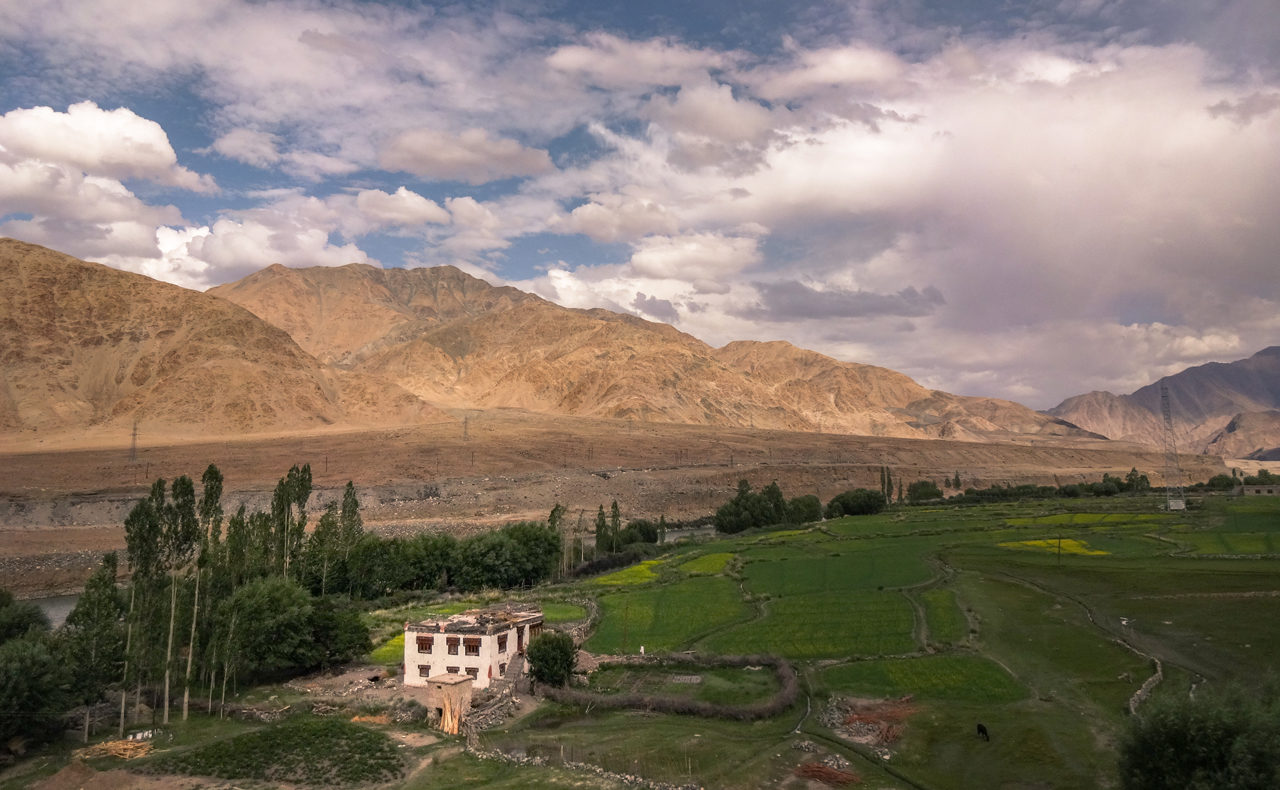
(552, 656)
(857, 502)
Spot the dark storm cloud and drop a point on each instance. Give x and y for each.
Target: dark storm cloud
(662, 309)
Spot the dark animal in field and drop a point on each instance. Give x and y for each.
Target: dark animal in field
(982, 732)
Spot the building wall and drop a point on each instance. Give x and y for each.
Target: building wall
(488, 664)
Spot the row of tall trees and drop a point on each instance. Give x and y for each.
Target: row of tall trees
(204, 608)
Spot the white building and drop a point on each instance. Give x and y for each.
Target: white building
(480, 643)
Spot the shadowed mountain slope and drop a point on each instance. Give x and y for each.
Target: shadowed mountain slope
(1204, 402)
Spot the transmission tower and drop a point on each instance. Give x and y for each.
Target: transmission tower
(133, 447)
(1172, 469)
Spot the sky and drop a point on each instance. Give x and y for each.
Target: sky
(1024, 200)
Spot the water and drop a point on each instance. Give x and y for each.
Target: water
(56, 607)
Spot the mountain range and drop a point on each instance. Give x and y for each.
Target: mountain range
(1230, 409)
(89, 348)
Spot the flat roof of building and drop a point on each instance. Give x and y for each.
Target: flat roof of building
(488, 620)
(450, 679)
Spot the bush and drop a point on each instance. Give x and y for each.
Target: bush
(923, 491)
(552, 656)
(857, 502)
(1226, 741)
(804, 509)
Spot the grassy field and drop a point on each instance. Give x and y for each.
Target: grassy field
(668, 617)
(972, 614)
(303, 751)
(723, 685)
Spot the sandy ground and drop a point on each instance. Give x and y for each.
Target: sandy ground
(62, 506)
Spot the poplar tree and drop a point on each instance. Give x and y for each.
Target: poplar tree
(94, 637)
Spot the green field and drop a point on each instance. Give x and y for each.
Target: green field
(957, 615)
(723, 685)
(669, 617)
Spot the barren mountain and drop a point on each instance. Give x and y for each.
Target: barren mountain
(455, 340)
(1253, 435)
(85, 346)
(1203, 401)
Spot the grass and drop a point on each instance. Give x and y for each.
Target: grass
(641, 573)
(556, 612)
(721, 685)
(326, 752)
(957, 678)
(707, 564)
(463, 771)
(667, 617)
(947, 624)
(390, 653)
(1056, 545)
(824, 625)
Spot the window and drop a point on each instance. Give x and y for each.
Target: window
(452, 670)
(424, 670)
(452, 641)
(424, 644)
(473, 672)
(502, 669)
(502, 643)
(472, 645)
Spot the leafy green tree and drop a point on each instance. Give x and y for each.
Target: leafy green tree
(325, 545)
(604, 541)
(19, 617)
(93, 637)
(35, 690)
(273, 632)
(1225, 740)
(855, 502)
(923, 491)
(804, 509)
(180, 537)
(552, 657)
(1221, 483)
(336, 629)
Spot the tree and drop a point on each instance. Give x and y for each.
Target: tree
(1136, 482)
(804, 509)
(93, 637)
(923, 491)
(273, 634)
(1225, 740)
(338, 632)
(35, 689)
(552, 657)
(855, 502)
(603, 543)
(19, 617)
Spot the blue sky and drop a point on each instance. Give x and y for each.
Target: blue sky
(1020, 200)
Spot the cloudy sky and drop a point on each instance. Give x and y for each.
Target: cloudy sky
(1024, 200)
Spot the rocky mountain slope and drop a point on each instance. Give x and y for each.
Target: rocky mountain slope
(453, 339)
(87, 347)
(1220, 408)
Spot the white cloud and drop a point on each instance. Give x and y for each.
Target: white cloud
(236, 248)
(402, 208)
(115, 143)
(613, 218)
(609, 61)
(249, 146)
(702, 259)
(821, 70)
(471, 156)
